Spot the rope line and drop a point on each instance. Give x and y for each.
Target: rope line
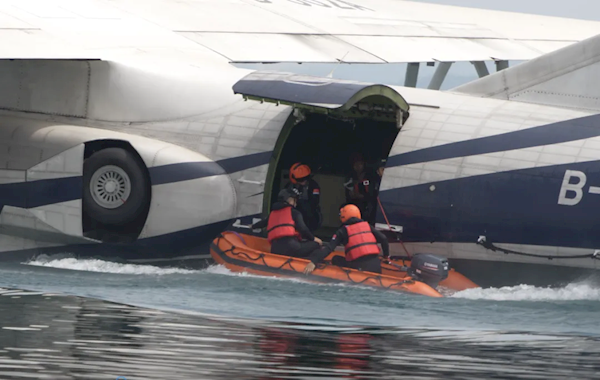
(390, 227)
(487, 245)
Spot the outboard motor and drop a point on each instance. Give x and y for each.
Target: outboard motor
(428, 268)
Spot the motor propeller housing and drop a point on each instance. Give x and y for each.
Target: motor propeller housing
(428, 268)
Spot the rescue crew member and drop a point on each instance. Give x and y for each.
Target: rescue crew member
(360, 244)
(309, 203)
(286, 228)
(361, 188)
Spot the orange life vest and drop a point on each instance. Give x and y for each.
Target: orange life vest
(281, 224)
(361, 241)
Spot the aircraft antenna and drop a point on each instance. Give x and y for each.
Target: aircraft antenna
(330, 75)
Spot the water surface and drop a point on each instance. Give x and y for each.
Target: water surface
(182, 324)
(66, 337)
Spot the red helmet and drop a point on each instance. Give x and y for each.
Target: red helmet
(299, 172)
(349, 211)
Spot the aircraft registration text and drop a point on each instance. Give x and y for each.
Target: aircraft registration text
(572, 193)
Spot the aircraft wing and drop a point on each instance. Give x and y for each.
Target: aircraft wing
(355, 31)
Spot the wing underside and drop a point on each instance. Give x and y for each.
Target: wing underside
(354, 31)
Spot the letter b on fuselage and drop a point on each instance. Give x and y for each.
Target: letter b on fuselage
(571, 193)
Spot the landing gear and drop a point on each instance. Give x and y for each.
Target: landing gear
(110, 186)
(114, 187)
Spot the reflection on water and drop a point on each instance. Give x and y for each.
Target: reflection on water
(57, 337)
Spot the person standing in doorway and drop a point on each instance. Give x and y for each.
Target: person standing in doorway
(309, 203)
(360, 188)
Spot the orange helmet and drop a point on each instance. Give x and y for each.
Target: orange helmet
(349, 211)
(298, 172)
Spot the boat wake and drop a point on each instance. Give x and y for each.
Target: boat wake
(101, 266)
(578, 291)
(222, 270)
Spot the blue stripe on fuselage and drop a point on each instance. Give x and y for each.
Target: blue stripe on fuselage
(560, 132)
(50, 191)
(40, 193)
(518, 207)
(185, 171)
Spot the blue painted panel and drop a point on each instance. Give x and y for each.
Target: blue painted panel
(564, 131)
(236, 164)
(40, 193)
(299, 89)
(50, 191)
(186, 171)
(511, 207)
(182, 241)
(194, 241)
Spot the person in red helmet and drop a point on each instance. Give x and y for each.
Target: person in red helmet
(286, 230)
(360, 244)
(309, 203)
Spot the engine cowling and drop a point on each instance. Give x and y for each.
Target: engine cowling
(159, 192)
(114, 187)
(428, 268)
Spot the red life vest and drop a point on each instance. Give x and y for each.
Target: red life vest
(361, 241)
(365, 183)
(281, 224)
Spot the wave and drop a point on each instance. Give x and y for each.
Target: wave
(580, 291)
(102, 266)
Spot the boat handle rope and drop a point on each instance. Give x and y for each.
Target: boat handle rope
(239, 236)
(397, 267)
(400, 283)
(487, 245)
(390, 227)
(261, 256)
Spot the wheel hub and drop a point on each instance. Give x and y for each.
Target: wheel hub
(110, 186)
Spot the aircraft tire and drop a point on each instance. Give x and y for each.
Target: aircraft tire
(114, 187)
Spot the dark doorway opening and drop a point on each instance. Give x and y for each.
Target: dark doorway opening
(326, 144)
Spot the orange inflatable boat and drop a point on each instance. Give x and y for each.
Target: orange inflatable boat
(246, 253)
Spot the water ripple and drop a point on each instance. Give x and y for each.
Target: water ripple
(46, 336)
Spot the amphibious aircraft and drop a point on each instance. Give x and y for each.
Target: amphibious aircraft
(128, 132)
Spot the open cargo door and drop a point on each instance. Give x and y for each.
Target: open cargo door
(325, 95)
(332, 119)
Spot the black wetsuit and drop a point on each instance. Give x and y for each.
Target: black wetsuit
(291, 246)
(367, 187)
(309, 204)
(369, 263)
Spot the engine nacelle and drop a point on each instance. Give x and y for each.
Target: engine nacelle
(101, 185)
(53, 192)
(161, 191)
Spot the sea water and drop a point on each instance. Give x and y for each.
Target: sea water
(93, 319)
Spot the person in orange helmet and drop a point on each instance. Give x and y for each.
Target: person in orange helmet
(309, 203)
(359, 239)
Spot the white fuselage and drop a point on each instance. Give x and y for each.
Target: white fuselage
(208, 153)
